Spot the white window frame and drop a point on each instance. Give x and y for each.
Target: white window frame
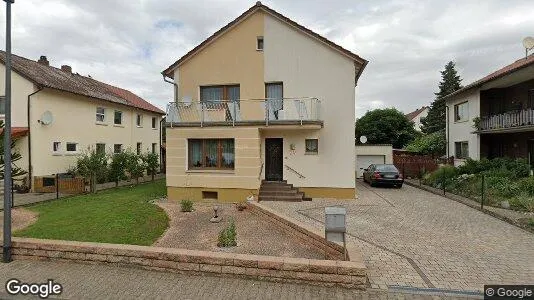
(258, 39)
(139, 120)
(114, 120)
(58, 151)
(311, 152)
(101, 114)
(67, 148)
(456, 110)
(96, 146)
(154, 123)
(461, 144)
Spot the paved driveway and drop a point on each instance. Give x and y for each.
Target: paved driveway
(410, 237)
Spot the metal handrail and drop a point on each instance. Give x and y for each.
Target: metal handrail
(295, 171)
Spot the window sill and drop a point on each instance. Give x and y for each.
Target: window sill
(139, 126)
(101, 124)
(311, 153)
(259, 50)
(460, 121)
(118, 125)
(71, 153)
(57, 154)
(212, 171)
(154, 128)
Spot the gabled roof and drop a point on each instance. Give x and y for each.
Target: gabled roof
(259, 6)
(54, 78)
(415, 113)
(509, 69)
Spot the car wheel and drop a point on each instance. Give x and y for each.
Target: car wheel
(398, 186)
(371, 183)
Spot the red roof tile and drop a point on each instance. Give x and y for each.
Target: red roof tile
(54, 78)
(516, 66)
(414, 114)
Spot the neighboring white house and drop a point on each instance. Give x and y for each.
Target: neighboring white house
(263, 98)
(494, 116)
(417, 115)
(57, 114)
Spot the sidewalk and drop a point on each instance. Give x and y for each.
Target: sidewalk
(29, 198)
(81, 281)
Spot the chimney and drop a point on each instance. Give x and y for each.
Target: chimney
(66, 68)
(43, 61)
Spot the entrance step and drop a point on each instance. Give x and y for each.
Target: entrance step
(280, 191)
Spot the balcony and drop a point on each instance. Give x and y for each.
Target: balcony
(520, 120)
(243, 112)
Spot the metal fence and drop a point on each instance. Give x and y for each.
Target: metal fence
(243, 110)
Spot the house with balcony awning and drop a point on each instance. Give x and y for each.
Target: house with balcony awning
(263, 107)
(494, 116)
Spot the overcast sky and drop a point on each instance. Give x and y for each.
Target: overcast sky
(129, 42)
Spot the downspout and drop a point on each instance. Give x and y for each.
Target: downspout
(30, 136)
(161, 165)
(175, 86)
(448, 131)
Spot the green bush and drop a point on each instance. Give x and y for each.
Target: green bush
(502, 167)
(445, 174)
(522, 202)
(227, 236)
(186, 205)
(431, 144)
(117, 167)
(527, 185)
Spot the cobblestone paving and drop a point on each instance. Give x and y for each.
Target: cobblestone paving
(81, 281)
(411, 237)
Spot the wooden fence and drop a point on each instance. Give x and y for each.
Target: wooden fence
(67, 185)
(414, 165)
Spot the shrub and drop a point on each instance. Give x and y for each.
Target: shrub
(134, 165)
(186, 205)
(151, 162)
(90, 164)
(503, 167)
(527, 185)
(445, 174)
(227, 236)
(522, 202)
(432, 144)
(117, 167)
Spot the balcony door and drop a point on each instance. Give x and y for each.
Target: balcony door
(274, 92)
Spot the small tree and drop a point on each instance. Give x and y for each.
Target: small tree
(90, 164)
(117, 167)
(151, 161)
(15, 156)
(134, 165)
(432, 144)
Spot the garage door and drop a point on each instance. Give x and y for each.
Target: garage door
(363, 161)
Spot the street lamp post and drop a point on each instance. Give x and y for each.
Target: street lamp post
(7, 140)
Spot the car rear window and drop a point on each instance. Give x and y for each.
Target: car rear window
(386, 168)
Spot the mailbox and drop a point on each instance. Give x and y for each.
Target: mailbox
(335, 223)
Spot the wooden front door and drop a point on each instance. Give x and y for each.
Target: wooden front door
(274, 152)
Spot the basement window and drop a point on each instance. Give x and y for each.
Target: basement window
(72, 147)
(259, 43)
(210, 195)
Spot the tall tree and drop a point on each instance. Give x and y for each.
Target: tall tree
(450, 82)
(386, 126)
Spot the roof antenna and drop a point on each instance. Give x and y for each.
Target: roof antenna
(528, 43)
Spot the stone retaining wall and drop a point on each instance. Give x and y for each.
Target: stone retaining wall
(323, 272)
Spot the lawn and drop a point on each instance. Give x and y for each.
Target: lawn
(121, 215)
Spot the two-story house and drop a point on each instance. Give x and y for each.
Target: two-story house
(263, 100)
(57, 114)
(494, 116)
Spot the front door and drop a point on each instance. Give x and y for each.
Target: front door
(274, 151)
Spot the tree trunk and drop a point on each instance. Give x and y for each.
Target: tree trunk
(152, 176)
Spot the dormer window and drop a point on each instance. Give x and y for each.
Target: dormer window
(259, 43)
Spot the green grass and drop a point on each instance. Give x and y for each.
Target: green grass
(120, 215)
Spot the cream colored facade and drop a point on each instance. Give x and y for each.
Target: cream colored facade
(307, 67)
(74, 121)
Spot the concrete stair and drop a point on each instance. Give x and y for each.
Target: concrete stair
(280, 191)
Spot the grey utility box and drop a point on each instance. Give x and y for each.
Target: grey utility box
(335, 225)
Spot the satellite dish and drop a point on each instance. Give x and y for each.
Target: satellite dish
(528, 43)
(47, 118)
(363, 139)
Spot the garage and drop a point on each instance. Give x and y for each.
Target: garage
(368, 154)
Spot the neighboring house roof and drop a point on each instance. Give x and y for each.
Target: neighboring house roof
(54, 78)
(509, 69)
(17, 132)
(415, 113)
(168, 72)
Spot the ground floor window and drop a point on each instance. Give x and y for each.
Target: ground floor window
(100, 148)
(312, 146)
(211, 153)
(117, 148)
(461, 149)
(138, 148)
(72, 147)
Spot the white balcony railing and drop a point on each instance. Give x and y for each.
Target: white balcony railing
(511, 119)
(266, 111)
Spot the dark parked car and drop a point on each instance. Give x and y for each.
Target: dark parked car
(383, 174)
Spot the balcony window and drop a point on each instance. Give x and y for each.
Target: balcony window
(211, 154)
(117, 118)
(274, 92)
(461, 112)
(461, 150)
(218, 93)
(100, 114)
